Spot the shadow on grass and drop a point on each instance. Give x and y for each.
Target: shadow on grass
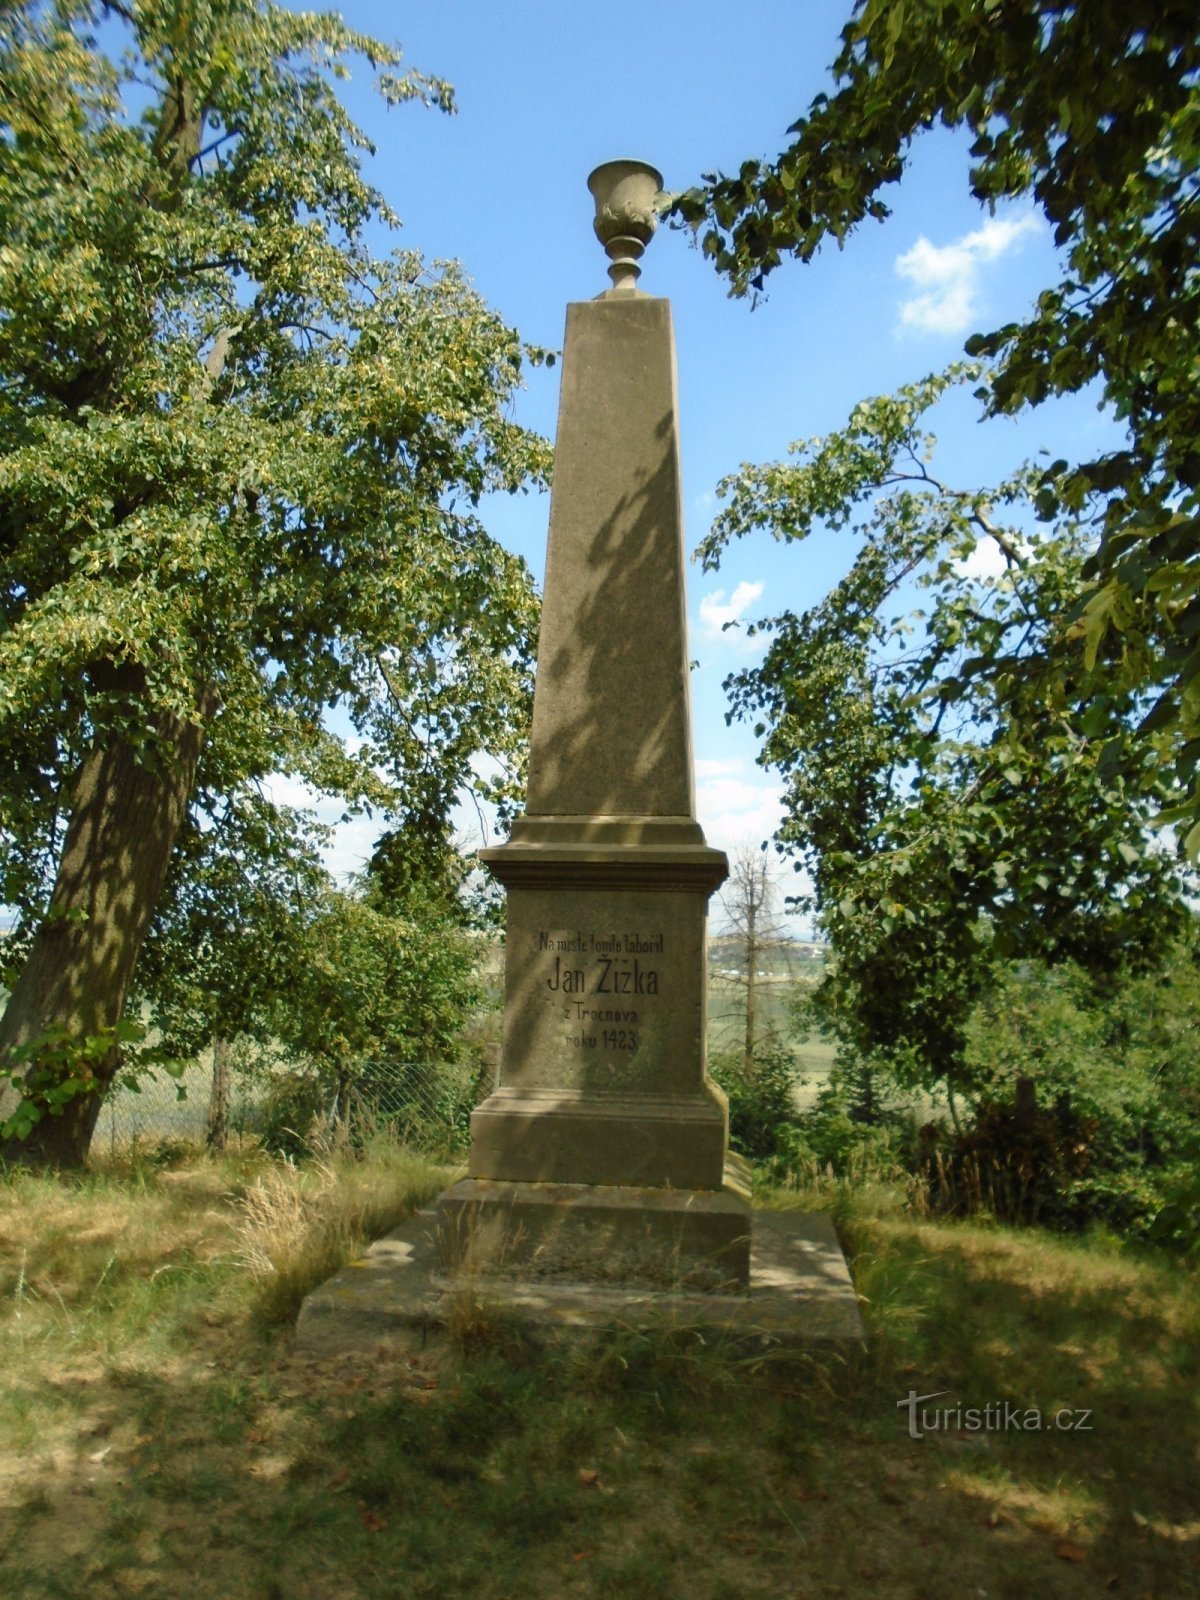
(646, 1466)
(1090, 1360)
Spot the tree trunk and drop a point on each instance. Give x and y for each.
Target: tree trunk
(1025, 1106)
(126, 811)
(861, 1081)
(218, 1101)
(953, 1104)
(341, 1126)
(751, 964)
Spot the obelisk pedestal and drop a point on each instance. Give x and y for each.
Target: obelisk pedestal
(602, 1154)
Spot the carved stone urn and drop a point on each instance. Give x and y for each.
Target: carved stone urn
(625, 193)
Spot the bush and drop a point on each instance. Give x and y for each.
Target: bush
(1116, 1069)
(1019, 1164)
(1113, 1137)
(835, 1137)
(424, 1105)
(762, 1102)
(427, 1105)
(293, 1114)
(1177, 1222)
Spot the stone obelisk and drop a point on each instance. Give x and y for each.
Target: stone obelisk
(602, 1154)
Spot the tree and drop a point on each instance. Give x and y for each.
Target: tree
(1117, 1087)
(373, 987)
(749, 903)
(228, 929)
(1094, 110)
(253, 943)
(950, 814)
(240, 461)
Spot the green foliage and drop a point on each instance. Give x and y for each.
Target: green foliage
(833, 1135)
(54, 1068)
(973, 781)
(369, 985)
(1104, 1130)
(1113, 1135)
(230, 927)
(762, 1103)
(238, 453)
(1118, 1127)
(1094, 111)
(292, 1117)
(1176, 1223)
(426, 1105)
(1020, 1169)
(948, 813)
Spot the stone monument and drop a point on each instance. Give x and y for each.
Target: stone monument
(603, 1153)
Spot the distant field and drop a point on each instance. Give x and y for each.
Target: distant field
(727, 1010)
(775, 995)
(814, 1056)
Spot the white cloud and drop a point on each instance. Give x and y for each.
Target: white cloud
(717, 769)
(946, 277)
(351, 844)
(987, 561)
(731, 810)
(485, 765)
(283, 790)
(730, 794)
(716, 611)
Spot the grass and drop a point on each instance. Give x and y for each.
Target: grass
(158, 1437)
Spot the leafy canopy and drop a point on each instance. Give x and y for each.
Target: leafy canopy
(950, 814)
(237, 448)
(1094, 111)
(369, 985)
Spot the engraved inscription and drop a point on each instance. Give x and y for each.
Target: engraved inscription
(570, 980)
(626, 977)
(594, 965)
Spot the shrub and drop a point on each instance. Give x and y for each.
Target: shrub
(293, 1114)
(762, 1102)
(1117, 1066)
(1018, 1163)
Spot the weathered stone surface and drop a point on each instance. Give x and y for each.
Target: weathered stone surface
(800, 1295)
(602, 1078)
(598, 1233)
(611, 726)
(625, 193)
(582, 1136)
(612, 1005)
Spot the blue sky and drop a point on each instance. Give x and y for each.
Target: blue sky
(546, 91)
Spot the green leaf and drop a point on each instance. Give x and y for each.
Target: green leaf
(246, 442)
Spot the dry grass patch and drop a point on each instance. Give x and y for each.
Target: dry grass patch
(298, 1225)
(174, 1444)
(132, 1272)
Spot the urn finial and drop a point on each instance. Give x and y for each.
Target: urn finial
(625, 193)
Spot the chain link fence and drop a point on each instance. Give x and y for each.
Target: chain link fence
(292, 1109)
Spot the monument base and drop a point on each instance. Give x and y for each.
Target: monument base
(600, 1233)
(398, 1293)
(584, 1137)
